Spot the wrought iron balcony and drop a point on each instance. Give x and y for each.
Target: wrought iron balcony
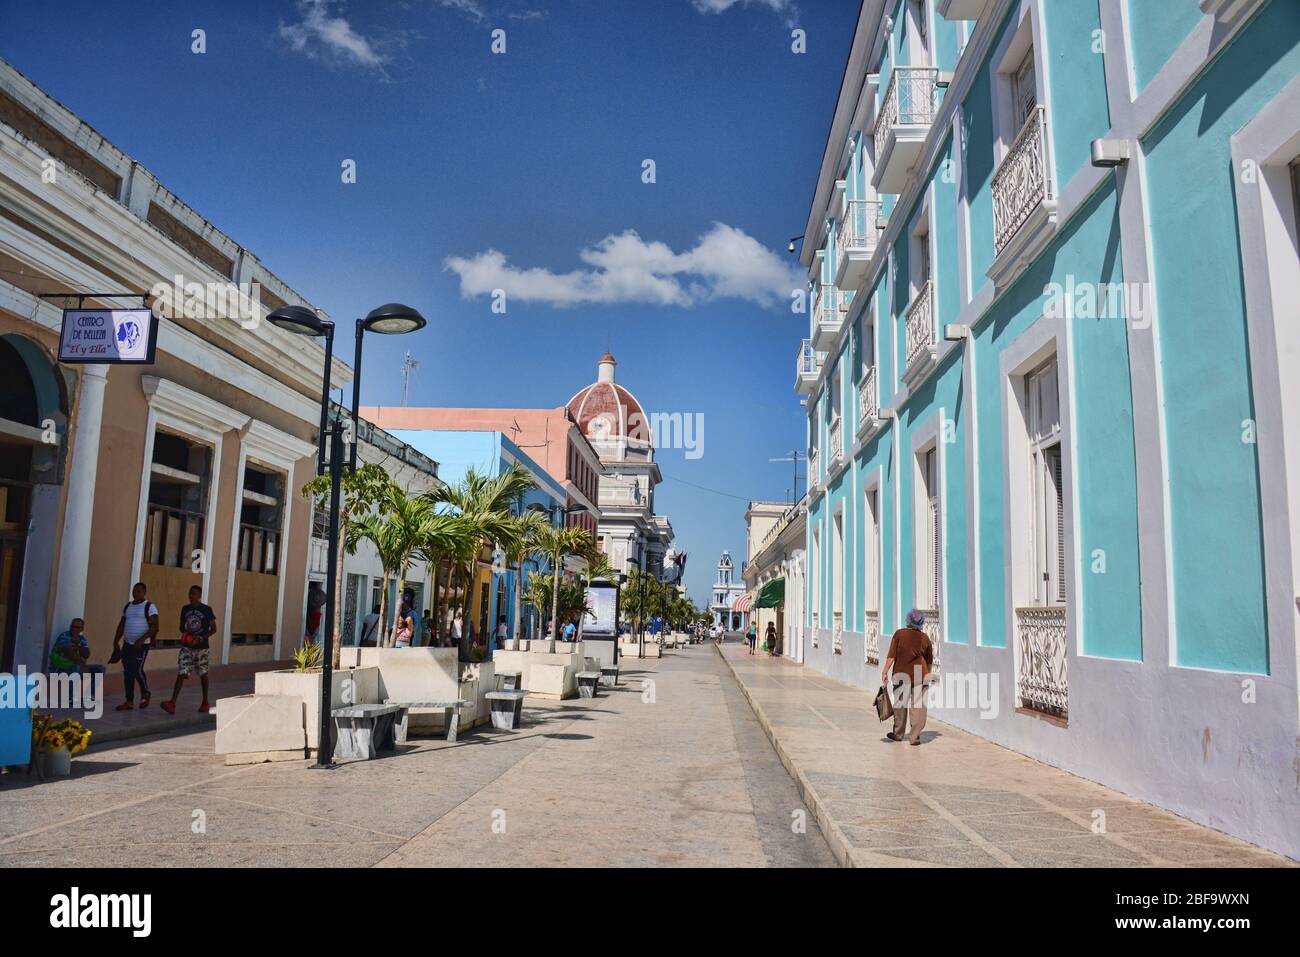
(808, 365)
(906, 112)
(855, 242)
(921, 341)
(868, 402)
(826, 316)
(1024, 200)
(1041, 660)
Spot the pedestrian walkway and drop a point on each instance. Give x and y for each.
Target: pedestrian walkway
(670, 769)
(957, 800)
(225, 681)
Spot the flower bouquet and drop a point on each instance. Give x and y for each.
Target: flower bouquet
(59, 742)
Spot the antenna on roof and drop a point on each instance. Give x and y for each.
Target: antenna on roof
(409, 365)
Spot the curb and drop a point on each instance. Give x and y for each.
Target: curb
(186, 722)
(835, 839)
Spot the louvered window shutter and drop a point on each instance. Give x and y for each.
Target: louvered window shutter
(1058, 503)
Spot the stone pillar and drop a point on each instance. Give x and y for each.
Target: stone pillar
(74, 547)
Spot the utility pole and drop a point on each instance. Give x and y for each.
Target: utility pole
(795, 456)
(409, 365)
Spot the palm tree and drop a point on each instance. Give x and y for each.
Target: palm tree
(517, 547)
(403, 530)
(360, 492)
(554, 542)
(485, 506)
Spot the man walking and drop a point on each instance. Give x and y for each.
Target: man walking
(911, 656)
(136, 631)
(198, 624)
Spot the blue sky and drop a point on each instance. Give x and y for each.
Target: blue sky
(521, 171)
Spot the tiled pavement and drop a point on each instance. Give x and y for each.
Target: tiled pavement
(957, 800)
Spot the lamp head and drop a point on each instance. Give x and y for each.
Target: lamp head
(299, 320)
(392, 319)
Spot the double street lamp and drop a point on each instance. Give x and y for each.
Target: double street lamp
(551, 510)
(389, 319)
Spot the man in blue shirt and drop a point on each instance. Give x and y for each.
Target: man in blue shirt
(70, 653)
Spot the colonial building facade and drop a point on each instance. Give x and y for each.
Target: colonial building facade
(1052, 381)
(179, 473)
(775, 534)
(728, 589)
(630, 533)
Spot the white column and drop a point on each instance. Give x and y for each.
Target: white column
(74, 547)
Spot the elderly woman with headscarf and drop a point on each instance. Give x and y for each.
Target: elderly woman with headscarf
(911, 657)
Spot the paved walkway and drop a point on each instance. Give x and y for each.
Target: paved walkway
(675, 773)
(957, 799)
(224, 681)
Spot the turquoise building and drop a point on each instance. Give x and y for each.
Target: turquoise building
(1053, 385)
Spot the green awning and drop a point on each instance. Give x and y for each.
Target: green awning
(772, 595)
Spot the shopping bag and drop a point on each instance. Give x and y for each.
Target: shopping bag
(884, 707)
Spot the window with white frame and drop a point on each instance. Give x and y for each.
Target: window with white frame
(1043, 408)
(871, 553)
(929, 523)
(836, 569)
(815, 580)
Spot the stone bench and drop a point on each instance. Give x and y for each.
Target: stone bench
(609, 677)
(450, 710)
(511, 680)
(363, 730)
(587, 682)
(507, 706)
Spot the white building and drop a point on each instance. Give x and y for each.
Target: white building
(628, 532)
(727, 590)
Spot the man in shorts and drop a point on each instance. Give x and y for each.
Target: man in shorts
(198, 623)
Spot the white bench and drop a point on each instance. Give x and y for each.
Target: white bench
(587, 682)
(365, 729)
(450, 710)
(507, 707)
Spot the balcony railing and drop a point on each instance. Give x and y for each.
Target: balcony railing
(909, 101)
(824, 305)
(807, 365)
(814, 468)
(837, 440)
(1041, 659)
(868, 399)
(871, 637)
(920, 324)
(858, 231)
(1022, 180)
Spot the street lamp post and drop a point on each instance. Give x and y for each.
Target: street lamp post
(390, 318)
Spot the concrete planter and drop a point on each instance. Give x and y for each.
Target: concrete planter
(348, 686)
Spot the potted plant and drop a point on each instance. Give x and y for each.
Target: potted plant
(59, 742)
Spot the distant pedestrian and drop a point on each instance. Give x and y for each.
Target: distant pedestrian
(911, 656)
(502, 632)
(570, 631)
(136, 632)
(369, 629)
(404, 626)
(315, 608)
(426, 629)
(198, 623)
(752, 636)
(770, 638)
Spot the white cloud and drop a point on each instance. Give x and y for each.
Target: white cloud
(470, 9)
(724, 263)
(320, 32)
(722, 6)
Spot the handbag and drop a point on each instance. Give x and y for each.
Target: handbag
(884, 707)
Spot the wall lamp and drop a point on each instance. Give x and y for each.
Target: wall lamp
(1108, 153)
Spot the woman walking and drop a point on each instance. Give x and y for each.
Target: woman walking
(752, 636)
(770, 639)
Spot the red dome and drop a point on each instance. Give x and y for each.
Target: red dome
(606, 410)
